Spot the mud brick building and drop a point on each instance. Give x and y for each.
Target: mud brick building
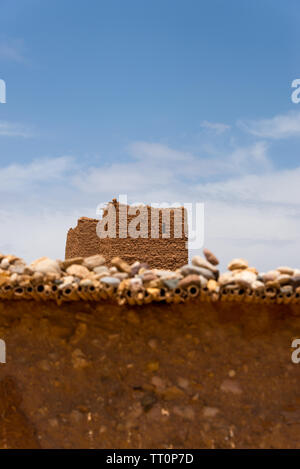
(160, 235)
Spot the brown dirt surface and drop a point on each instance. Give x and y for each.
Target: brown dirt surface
(194, 375)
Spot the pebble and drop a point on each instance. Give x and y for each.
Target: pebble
(212, 285)
(270, 276)
(158, 382)
(101, 269)
(225, 279)
(190, 269)
(78, 271)
(237, 264)
(171, 283)
(189, 280)
(183, 383)
(285, 270)
(85, 282)
(210, 412)
(257, 285)
(296, 280)
(121, 265)
(210, 257)
(200, 262)
(67, 262)
(18, 267)
(93, 261)
(231, 386)
(111, 281)
(245, 278)
(4, 263)
(148, 276)
(284, 279)
(173, 392)
(185, 412)
(45, 265)
(78, 359)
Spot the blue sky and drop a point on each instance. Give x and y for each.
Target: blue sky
(166, 101)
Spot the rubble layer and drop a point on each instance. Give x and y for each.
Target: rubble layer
(90, 279)
(193, 375)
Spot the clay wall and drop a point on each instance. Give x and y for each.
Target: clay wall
(168, 250)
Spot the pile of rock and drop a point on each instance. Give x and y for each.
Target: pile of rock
(91, 280)
(281, 285)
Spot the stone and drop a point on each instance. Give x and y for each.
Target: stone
(158, 382)
(101, 269)
(86, 282)
(18, 267)
(78, 359)
(78, 271)
(245, 278)
(45, 266)
(210, 257)
(212, 285)
(183, 383)
(186, 412)
(189, 280)
(67, 262)
(296, 280)
(80, 332)
(225, 279)
(252, 269)
(148, 276)
(135, 284)
(172, 393)
(111, 281)
(257, 285)
(285, 270)
(190, 269)
(148, 401)
(270, 276)
(171, 283)
(121, 275)
(121, 265)
(284, 279)
(137, 266)
(4, 263)
(231, 386)
(93, 261)
(200, 262)
(210, 412)
(237, 264)
(165, 273)
(153, 344)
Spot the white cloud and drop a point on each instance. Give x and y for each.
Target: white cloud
(21, 177)
(280, 126)
(10, 129)
(256, 215)
(217, 127)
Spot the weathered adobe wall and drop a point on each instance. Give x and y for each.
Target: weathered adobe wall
(167, 253)
(192, 375)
